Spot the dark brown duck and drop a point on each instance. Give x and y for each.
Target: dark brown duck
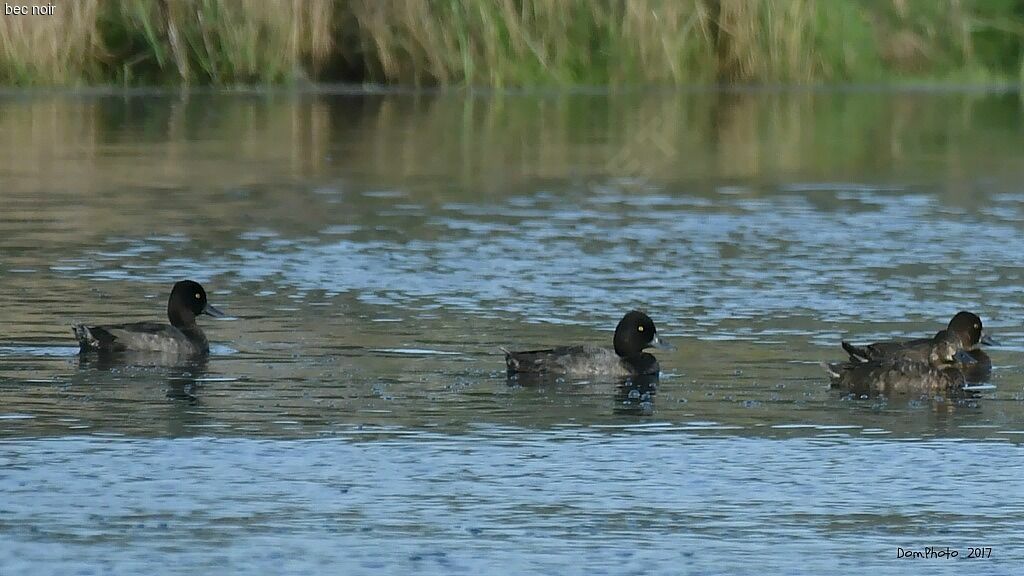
(965, 328)
(634, 334)
(940, 373)
(182, 337)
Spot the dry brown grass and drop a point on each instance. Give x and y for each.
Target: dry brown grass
(56, 49)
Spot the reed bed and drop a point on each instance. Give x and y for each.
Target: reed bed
(512, 43)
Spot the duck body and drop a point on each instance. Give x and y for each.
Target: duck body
(580, 361)
(940, 372)
(917, 350)
(181, 337)
(141, 337)
(634, 333)
(965, 330)
(896, 377)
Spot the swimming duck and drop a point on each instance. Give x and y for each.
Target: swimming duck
(183, 336)
(940, 372)
(967, 330)
(634, 333)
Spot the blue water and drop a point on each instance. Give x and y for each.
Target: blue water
(373, 251)
(506, 500)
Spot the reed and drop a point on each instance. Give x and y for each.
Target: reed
(527, 42)
(218, 41)
(50, 50)
(505, 43)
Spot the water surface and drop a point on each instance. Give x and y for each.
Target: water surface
(375, 249)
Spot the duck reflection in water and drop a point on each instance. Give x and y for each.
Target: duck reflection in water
(635, 396)
(630, 396)
(182, 374)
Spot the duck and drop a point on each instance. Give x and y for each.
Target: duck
(966, 327)
(633, 334)
(181, 337)
(939, 372)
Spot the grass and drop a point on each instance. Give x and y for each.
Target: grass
(506, 43)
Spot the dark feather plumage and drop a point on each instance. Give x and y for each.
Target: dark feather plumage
(634, 333)
(181, 337)
(965, 329)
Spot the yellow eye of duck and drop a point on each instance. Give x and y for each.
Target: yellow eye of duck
(640, 328)
(199, 296)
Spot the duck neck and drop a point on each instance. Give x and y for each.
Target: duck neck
(184, 319)
(196, 336)
(642, 363)
(181, 319)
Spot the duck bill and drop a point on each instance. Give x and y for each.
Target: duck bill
(988, 340)
(210, 310)
(660, 343)
(964, 358)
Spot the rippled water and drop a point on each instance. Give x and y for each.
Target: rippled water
(373, 251)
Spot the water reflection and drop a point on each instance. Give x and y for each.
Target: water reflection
(381, 246)
(632, 396)
(635, 396)
(437, 144)
(182, 373)
(184, 387)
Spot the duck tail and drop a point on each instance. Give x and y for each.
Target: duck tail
(85, 338)
(93, 337)
(832, 370)
(856, 353)
(511, 363)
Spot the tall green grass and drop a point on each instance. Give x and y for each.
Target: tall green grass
(216, 41)
(506, 43)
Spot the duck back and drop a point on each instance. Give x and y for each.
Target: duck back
(917, 350)
(897, 376)
(142, 337)
(578, 361)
